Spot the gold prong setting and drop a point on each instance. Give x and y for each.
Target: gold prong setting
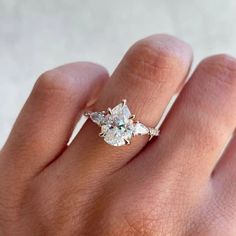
(127, 142)
(109, 110)
(101, 134)
(132, 117)
(119, 125)
(124, 101)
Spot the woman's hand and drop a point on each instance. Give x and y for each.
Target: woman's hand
(178, 184)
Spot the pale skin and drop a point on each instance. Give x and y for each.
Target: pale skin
(181, 183)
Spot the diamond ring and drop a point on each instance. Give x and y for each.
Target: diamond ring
(118, 125)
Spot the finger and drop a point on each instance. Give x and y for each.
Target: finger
(200, 123)
(224, 173)
(223, 183)
(46, 121)
(148, 76)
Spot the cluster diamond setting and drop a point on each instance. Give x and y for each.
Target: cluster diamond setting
(118, 125)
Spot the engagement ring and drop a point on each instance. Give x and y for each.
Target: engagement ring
(118, 125)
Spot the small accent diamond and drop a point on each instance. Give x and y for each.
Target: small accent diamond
(98, 117)
(140, 129)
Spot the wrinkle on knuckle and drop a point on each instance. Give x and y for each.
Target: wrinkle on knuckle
(58, 206)
(149, 224)
(9, 208)
(215, 82)
(145, 61)
(56, 84)
(222, 68)
(135, 225)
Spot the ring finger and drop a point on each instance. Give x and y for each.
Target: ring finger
(148, 76)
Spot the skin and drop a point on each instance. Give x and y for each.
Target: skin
(181, 183)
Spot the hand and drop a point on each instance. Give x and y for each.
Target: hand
(178, 184)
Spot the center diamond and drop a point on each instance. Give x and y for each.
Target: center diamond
(117, 125)
(118, 128)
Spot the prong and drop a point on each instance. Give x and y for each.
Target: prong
(132, 117)
(150, 137)
(101, 134)
(124, 102)
(153, 132)
(127, 142)
(87, 113)
(109, 110)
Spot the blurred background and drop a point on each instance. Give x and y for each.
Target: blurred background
(38, 35)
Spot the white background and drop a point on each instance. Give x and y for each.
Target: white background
(39, 35)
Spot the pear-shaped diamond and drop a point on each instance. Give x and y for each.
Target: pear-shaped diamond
(117, 136)
(117, 129)
(98, 117)
(121, 111)
(140, 129)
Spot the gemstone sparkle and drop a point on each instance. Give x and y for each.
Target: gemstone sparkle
(118, 125)
(118, 128)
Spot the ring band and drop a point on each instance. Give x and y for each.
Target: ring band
(118, 125)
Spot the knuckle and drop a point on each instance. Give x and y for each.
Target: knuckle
(53, 81)
(156, 57)
(221, 67)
